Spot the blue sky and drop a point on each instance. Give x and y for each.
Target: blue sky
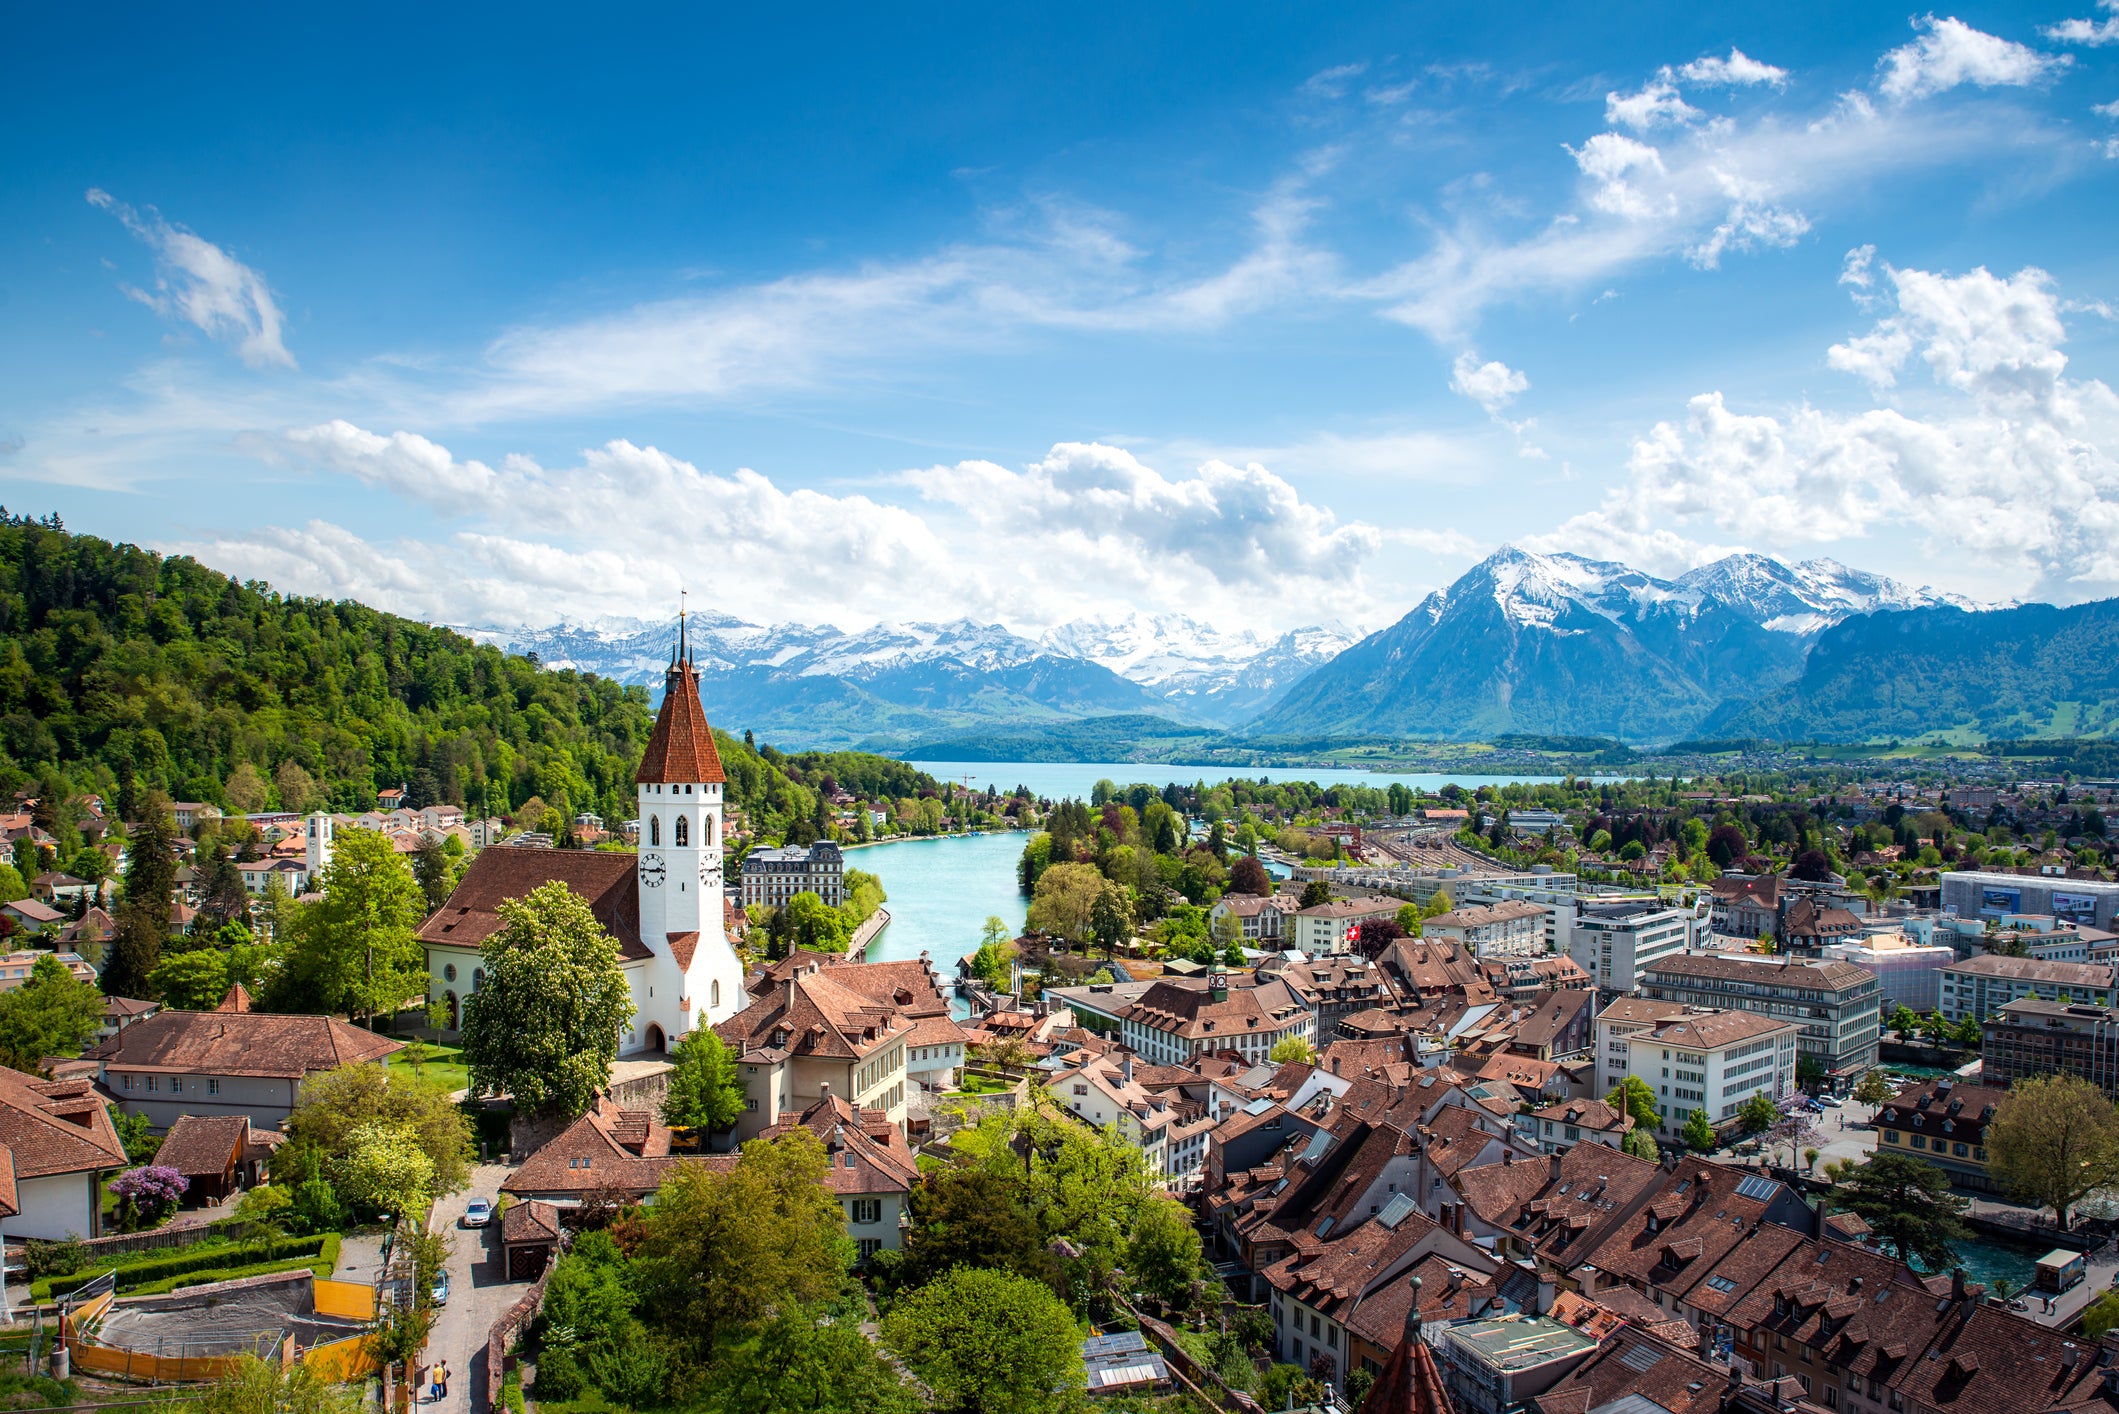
(1262, 314)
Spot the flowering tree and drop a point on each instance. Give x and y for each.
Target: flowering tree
(1793, 1128)
(147, 1195)
(385, 1170)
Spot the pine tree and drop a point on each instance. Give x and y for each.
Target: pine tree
(143, 912)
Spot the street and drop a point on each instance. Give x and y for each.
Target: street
(479, 1295)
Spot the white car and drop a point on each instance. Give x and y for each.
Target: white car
(1830, 1102)
(477, 1213)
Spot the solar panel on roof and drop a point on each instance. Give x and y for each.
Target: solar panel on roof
(1756, 1186)
(1319, 1142)
(1396, 1211)
(1641, 1357)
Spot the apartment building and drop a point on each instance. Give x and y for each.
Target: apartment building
(1714, 1061)
(1614, 942)
(1944, 1123)
(1908, 973)
(773, 876)
(1834, 1003)
(1508, 929)
(1974, 893)
(1329, 927)
(1980, 986)
(2032, 1037)
(1265, 921)
(1616, 1026)
(1176, 1020)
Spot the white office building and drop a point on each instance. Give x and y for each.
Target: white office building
(1615, 943)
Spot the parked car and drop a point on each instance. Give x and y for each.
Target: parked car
(441, 1289)
(477, 1213)
(1830, 1102)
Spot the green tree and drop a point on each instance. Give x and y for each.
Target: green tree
(725, 1252)
(1410, 920)
(191, 981)
(1905, 1021)
(1110, 918)
(432, 872)
(384, 1170)
(142, 922)
(1908, 1204)
(1438, 903)
(356, 950)
(2053, 1141)
(336, 1106)
(1162, 1251)
(1291, 1048)
(977, 1217)
(1699, 1132)
(817, 925)
(1315, 892)
(1633, 1097)
(1873, 1088)
(544, 1027)
(1640, 1143)
(988, 1342)
(1758, 1114)
(50, 1014)
(11, 885)
(1065, 901)
(704, 1091)
(799, 1367)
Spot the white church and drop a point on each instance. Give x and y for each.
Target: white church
(663, 904)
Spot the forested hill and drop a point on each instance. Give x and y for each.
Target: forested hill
(123, 670)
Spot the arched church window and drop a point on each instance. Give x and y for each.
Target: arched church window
(716, 996)
(654, 829)
(682, 832)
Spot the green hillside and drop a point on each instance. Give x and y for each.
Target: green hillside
(122, 670)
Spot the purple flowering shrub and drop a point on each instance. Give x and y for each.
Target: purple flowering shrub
(148, 1194)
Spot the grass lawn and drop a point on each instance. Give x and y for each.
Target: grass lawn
(443, 1064)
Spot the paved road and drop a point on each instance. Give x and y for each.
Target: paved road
(479, 1295)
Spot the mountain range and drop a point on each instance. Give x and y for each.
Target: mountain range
(1522, 644)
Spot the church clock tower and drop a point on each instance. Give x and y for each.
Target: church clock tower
(680, 783)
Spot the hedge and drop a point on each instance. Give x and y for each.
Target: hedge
(323, 1265)
(203, 1257)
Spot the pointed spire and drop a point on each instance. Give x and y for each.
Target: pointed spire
(684, 647)
(1411, 1383)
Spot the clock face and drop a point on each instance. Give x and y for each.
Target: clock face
(709, 869)
(651, 871)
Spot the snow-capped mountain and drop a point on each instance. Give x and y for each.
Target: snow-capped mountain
(1562, 644)
(1199, 670)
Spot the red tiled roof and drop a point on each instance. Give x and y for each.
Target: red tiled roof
(240, 1043)
(45, 1132)
(531, 1220)
(682, 748)
(1410, 1383)
(602, 876)
(198, 1146)
(609, 1147)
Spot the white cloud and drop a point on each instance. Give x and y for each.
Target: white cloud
(1609, 160)
(1332, 82)
(1738, 70)
(2107, 110)
(1855, 270)
(1950, 53)
(1087, 529)
(2091, 32)
(1656, 105)
(202, 284)
(2020, 473)
(1493, 385)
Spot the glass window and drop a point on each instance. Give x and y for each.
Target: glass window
(683, 830)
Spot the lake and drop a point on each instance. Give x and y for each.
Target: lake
(941, 892)
(1056, 780)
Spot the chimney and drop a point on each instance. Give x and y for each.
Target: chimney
(1957, 1284)
(1125, 1066)
(1508, 1156)
(1554, 1161)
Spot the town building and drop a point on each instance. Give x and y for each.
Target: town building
(805, 1036)
(934, 1054)
(1174, 1021)
(1746, 906)
(1334, 988)
(1714, 1061)
(1974, 893)
(231, 1060)
(1508, 929)
(1329, 927)
(1616, 1026)
(1104, 1092)
(1942, 1122)
(1809, 925)
(1559, 1127)
(58, 1145)
(16, 967)
(772, 876)
(2033, 1037)
(1613, 943)
(1908, 974)
(1834, 1003)
(870, 1170)
(1265, 919)
(663, 905)
(1496, 1366)
(1980, 986)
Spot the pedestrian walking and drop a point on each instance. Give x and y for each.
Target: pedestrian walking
(443, 1386)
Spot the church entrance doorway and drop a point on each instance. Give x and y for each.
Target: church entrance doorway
(656, 1041)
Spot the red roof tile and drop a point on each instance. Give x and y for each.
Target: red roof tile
(682, 748)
